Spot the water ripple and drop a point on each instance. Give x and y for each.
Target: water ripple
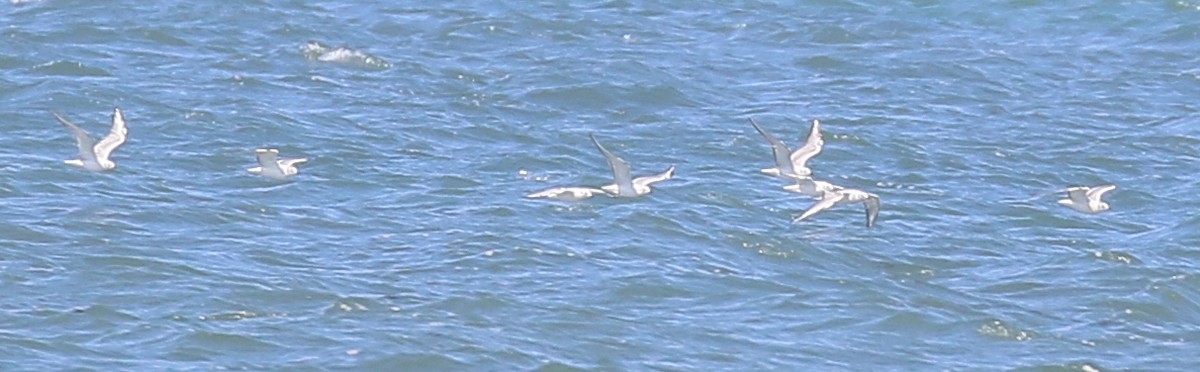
(405, 240)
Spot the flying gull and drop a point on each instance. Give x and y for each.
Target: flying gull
(841, 197)
(94, 155)
(1087, 199)
(624, 185)
(270, 165)
(792, 164)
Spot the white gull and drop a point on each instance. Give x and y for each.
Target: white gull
(841, 197)
(624, 185)
(94, 155)
(1087, 199)
(790, 164)
(270, 165)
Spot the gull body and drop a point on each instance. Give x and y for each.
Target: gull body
(791, 164)
(271, 166)
(1087, 199)
(842, 197)
(811, 187)
(94, 155)
(567, 193)
(624, 185)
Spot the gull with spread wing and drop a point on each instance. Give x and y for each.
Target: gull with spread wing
(271, 166)
(841, 197)
(624, 185)
(94, 155)
(791, 164)
(1087, 199)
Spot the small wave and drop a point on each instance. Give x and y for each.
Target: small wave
(69, 68)
(1186, 5)
(313, 50)
(999, 329)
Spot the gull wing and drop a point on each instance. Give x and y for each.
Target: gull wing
(826, 202)
(566, 193)
(115, 137)
(804, 185)
(285, 163)
(830, 186)
(872, 205)
(1078, 195)
(82, 140)
(267, 158)
(808, 186)
(645, 181)
(620, 169)
(1096, 193)
(811, 148)
(778, 149)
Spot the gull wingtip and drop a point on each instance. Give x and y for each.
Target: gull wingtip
(58, 116)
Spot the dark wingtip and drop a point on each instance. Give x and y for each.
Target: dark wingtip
(597, 142)
(755, 124)
(61, 119)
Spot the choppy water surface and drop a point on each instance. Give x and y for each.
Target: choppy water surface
(405, 243)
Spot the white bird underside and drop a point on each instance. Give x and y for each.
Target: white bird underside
(270, 165)
(811, 187)
(830, 199)
(567, 193)
(1087, 199)
(790, 164)
(641, 185)
(94, 156)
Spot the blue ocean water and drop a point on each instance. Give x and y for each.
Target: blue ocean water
(405, 243)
